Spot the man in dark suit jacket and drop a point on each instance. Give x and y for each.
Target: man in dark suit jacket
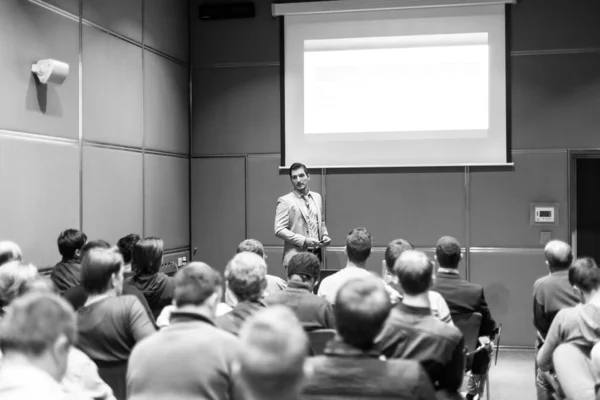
(463, 297)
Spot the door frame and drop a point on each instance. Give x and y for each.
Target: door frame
(573, 156)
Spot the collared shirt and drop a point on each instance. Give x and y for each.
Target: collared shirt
(312, 213)
(449, 270)
(338, 348)
(551, 293)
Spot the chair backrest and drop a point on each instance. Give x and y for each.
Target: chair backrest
(318, 339)
(469, 324)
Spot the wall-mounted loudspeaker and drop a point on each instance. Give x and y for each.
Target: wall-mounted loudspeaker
(214, 11)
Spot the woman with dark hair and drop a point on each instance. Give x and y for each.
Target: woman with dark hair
(157, 287)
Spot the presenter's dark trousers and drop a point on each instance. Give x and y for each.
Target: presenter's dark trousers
(317, 252)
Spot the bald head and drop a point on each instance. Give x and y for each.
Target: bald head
(246, 276)
(414, 270)
(558, 254)
(274, 347)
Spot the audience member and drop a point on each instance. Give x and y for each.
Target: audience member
(464, 297)
(412, 332)
(12, 276)
(77, 295)
(125, 245)
(272, 357)
(191, 358)
(156, 286)
(109, 324)
(67, 273)
(314, 312)
(81, 377)
(439, 308)
(9, 251)
(35, 338)
(245, 275)
(351, 366)
(578, 326)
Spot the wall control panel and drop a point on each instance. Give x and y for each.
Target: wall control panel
(542, 214)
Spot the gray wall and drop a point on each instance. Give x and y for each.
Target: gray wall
(555, 89)
(107, 151)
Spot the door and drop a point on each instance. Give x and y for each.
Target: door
(586, 230)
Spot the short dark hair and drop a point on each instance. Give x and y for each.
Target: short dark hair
(296, 166)
(361, 308)
(147, 256)
(358, 245)
(558, 254)
(97, 267)
(94, 244)
(125, 245)
(69, 241)
(415, 272)
(394, 250)
(194, 283)
(447, 251)
(34, 322)
(252, 246)
(246, 276)
(304, 264)
(585, 274)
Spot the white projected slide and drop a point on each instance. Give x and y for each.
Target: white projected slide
(398, 84)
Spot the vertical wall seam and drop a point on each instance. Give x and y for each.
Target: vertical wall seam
(468, 223)
(80, 121)
(143, 126)
(324, 196)
(246, 196)
(190, 125)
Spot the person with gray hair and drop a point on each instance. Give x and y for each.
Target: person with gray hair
(12, 275)
(271, 364)
(9, 251)
(246, 278)
(190, 358)
(36, 336)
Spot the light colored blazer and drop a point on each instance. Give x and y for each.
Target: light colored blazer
(290, 220)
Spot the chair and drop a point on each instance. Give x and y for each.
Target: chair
(318, 340)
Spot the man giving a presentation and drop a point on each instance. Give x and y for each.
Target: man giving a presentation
(299, 216)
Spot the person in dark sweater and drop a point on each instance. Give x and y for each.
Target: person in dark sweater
(125, 245)
(67, 273)
(246, 278)
(314, 312)
(157, 287)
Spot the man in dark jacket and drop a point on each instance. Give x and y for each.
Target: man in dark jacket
(351, 366)
(246, 278)
(67, 273)
(314, 312)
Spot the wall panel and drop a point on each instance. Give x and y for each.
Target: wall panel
(121, 16)
(218, 209)
(29, 33)
(419, 207)
(167, 199)
(554, 24)
(240, 41)
(555, 101)
(265, 184)
(500, 200)
(166, 27)
(71, 6)
(236, 111)
(41, 196)
(274, 261)
(112, 89)
(507, 280)
(166, 104)
(112, 193)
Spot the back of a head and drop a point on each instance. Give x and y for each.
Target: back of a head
(585, 274)
(394, 250)
(246, 276)
(251, 246)
(558, 254)
(288, 256)
(358, 245)
(147, 256)
(12, 275)
(273, 350)
(125, 245)
(38, 284)
(195, 283)
(304, 264)
(34, 322)
(9, 251)
(447, 251)
(97, 268)
(361, 308)
(69, 241)
(414, 270)
(94, 244)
